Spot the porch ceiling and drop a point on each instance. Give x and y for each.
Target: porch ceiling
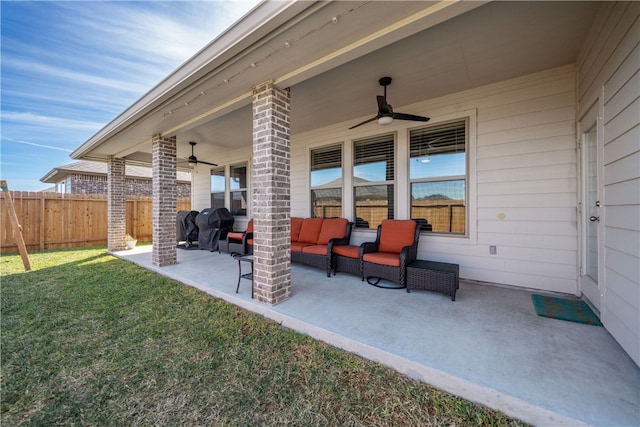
(429, 48)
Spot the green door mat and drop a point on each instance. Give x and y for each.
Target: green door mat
(573, 310)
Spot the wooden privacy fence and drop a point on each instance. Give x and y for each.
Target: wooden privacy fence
(55, 220)
(444, 215)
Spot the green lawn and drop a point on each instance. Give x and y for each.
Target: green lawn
(88, 339)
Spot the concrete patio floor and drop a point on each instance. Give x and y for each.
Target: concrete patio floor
(488, 346)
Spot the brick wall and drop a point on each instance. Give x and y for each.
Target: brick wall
(271, 194)
(87, 184)
(97, 184)
(116, 206)
(163, 152)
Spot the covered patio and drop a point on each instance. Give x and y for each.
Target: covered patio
(539, 102)
(488, 346)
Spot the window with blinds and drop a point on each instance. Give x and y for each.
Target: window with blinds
(438, 173)
(238, 189)
(374, 180)
(326, 181)
(218, 188)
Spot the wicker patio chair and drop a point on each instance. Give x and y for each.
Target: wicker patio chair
(346, 259)
(304, 232)
(396, 246)
(335, 232)
(238, 242)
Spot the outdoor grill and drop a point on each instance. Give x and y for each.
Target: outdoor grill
(186, 228)
(213, 225)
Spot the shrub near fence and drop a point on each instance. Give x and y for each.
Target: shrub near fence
(56, 220)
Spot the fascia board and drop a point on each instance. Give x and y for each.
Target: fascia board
(53, 176)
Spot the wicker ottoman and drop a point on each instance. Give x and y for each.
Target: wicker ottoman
(433, 276)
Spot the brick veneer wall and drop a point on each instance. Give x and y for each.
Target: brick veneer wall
(271, 194)
(88, 184)
(97, 184)
(163, 153)
(116, 207)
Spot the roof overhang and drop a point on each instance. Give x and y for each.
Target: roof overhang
(87, 168)
(53, 176)
(226, 49)
(331, 55)
(284, 42)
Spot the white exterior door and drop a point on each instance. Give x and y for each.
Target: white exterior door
(590, 215)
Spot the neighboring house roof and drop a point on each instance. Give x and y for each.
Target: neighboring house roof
(59, 173)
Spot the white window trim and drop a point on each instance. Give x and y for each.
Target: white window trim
(395, 134)
(471, 235)
(227, 186)
(225, 192)
(247, 189)
(343, 175)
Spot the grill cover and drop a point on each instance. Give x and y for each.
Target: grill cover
(213, 225)
(186, 228)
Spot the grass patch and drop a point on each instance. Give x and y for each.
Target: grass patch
(88, 339)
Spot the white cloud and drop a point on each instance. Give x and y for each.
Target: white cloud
(70, 67)
(31, 119)
(33, 144)
(56, 72)
(154, 32)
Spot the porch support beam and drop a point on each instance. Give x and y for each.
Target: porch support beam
(116, 205)
(164, 190)
(271, 194)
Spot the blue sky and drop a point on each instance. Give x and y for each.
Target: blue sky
(69, 68)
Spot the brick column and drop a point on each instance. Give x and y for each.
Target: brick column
(271, 194)
(116, 207)
(163, 152)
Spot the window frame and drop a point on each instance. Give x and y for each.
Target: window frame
(244, 189)
(380, 137)
(327, 147)
(223, 191)
(470, 234)
(228, 191)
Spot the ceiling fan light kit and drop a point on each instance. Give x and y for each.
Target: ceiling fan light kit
(385, 111)
(385, 120)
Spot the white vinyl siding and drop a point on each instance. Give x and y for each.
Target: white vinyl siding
(609, 75)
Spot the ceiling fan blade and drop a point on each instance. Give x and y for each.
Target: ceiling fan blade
(193, 160)
(385, 110)
(365, 122)
(412, 117)
(383, 107)
(206, 163)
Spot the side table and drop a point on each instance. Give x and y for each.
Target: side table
(433, 276)
(249, 275)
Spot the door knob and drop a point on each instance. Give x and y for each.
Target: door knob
(594, 218)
